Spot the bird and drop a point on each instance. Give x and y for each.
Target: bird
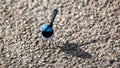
(47, 30)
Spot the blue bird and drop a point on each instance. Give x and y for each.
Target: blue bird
(47, 30)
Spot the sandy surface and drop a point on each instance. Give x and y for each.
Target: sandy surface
(86, 34)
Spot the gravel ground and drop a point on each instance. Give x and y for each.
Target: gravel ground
(87, 34)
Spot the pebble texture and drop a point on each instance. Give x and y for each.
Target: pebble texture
(87, 34)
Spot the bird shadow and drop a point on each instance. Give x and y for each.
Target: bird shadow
(75, 50)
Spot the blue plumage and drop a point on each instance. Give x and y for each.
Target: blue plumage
(46, 28)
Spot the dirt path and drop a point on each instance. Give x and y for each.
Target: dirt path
(86, 34)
